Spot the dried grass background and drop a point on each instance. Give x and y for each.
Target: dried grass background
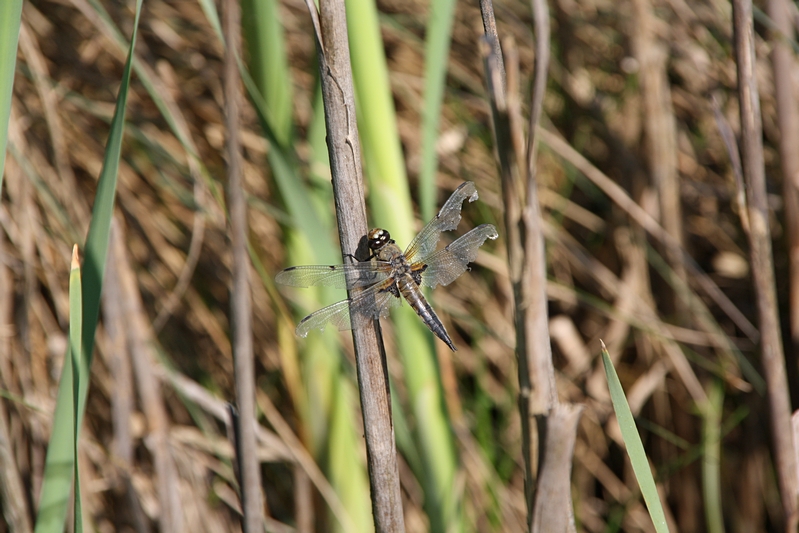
(632, 89)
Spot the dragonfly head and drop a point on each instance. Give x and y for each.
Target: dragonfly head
(378, 238)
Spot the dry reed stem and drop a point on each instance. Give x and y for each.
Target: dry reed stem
(773, 357)
(495, 83)
(731, 144)
(783, 64)
(138, 334)
(122, 401)
(661, 133)
(527, 269)
(119, 362)
(332, 46)
(553, 509)
(12, 493)
(252, 497)
(544, 394)
(303, 501)
(557, 423)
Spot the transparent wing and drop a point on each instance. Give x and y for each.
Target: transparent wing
(446, 265)
(447, 219)
(358, 275)
(372, 303)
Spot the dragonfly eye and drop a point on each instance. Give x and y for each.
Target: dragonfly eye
(378, 238)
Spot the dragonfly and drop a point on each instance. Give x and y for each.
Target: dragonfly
(391, 275)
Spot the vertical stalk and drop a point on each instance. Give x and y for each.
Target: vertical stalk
(762, 261)
(330, 26)
(241, 305)
(783, 62)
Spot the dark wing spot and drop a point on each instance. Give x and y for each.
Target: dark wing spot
(289, 269)
(416, 272)
(331, 267)
(393, 289)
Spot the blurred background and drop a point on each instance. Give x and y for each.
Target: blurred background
(638, 95)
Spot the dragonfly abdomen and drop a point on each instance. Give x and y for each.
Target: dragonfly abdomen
(413, 295)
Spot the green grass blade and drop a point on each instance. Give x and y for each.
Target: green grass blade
(99, 228)
(635, 448)
(209, 8)
(711, 458)
(58, 466)
(75, 346)
(439, 30)
(10, 16)
(265, 41)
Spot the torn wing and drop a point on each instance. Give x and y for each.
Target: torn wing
(444, 266)
(447, 219)
(348, 276)
(371, 303)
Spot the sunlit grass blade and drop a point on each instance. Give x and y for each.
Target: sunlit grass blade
(58, 466)
(439, 30)
(265, 41)
(711, 458)
(391, 208)
(75, 347)
(10, 15)
(635, 448)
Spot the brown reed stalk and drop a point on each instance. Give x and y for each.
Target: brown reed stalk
(330, 26)
(240, 298)
(784, 63)
(546, 448)
(773, 357)
(661, 134)
(138, 335)
(116, 325)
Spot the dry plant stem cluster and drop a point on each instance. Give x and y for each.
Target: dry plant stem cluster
(762, 260)
(12, 493)
(547, 447)
(241, 305)
(130, 335)
(788, 119)
(661, 134)
(345, 165)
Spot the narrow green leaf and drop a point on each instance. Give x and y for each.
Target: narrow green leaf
(439, 30)
(209, 8)
(10, 16)
(711, 458)
(59, 463)
(75, 346)
(267, 61)
(635, 448)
